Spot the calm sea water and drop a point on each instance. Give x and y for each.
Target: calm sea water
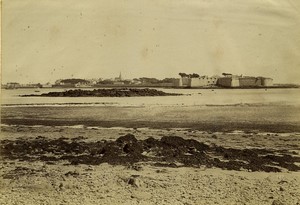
(192, 97)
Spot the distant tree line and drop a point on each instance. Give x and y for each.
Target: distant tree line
(74, 81)
(226, 74)
(145, 80)
(194, 75)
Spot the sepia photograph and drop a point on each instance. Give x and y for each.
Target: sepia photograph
(150, 102)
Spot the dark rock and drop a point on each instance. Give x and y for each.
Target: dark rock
(277, 202)
(134, 181)
(116, 92)
(129, 138)
(72, 173)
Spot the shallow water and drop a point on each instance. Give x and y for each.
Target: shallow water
(192, 97)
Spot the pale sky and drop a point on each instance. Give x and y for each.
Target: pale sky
(45, 40)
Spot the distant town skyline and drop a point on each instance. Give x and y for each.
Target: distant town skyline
(43, 41)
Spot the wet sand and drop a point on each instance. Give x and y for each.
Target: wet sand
(247, 117)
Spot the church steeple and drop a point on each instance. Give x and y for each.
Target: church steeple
(120, 76)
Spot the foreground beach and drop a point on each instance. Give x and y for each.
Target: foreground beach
(41, 181)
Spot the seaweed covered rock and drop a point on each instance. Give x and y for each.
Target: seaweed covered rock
(172, 151)
(116, 92)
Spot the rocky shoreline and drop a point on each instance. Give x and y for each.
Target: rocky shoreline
(116, 92)
(169, 151)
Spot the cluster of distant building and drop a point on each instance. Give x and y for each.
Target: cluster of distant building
(14, 85)
(117, 81)
(186, 80)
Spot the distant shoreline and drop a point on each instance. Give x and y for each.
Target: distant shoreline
(155, 86)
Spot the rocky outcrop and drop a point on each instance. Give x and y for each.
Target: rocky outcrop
(124, 92)
(169, 151)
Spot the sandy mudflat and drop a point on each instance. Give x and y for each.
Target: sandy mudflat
(246, 117)
(40, 180)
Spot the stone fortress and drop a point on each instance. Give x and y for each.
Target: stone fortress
(227, 80)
